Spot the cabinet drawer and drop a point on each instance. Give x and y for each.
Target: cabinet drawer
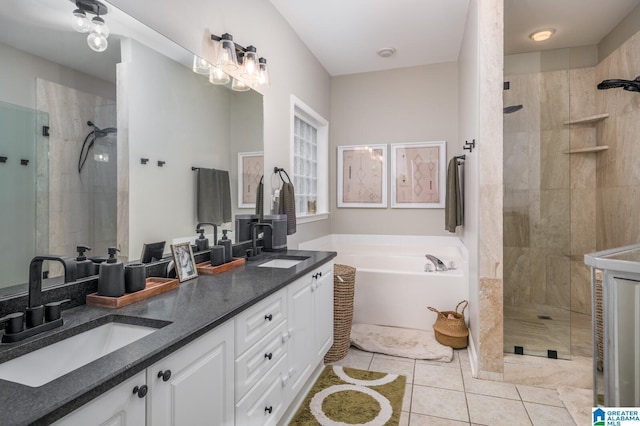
(264, 404)
(257, 321)
(260, 358)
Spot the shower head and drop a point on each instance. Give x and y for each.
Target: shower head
(511, 109)
(629, 85)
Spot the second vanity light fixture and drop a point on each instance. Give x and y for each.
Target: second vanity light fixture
(96, 27)
(231, 58)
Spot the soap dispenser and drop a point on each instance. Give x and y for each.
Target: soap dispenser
(202, 243)
(84, 266)
(111, 277)
(226, 242)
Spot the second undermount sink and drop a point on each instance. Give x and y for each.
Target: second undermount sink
(43, 365)
(283, 262)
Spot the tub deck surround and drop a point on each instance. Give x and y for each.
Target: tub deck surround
(196, 307)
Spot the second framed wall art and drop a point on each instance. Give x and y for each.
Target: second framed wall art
(418, 175)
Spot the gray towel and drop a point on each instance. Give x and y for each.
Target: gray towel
(214, 196)
(288, 206)
(453, 214)
(260, 201)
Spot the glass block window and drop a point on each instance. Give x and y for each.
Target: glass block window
(305, 166)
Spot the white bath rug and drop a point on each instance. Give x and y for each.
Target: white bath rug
(404, 342)
(578, 402)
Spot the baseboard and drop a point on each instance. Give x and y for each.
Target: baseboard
(473, 356)
(299, 399)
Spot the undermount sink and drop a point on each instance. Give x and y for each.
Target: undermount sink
(57, 359)
(283, 262)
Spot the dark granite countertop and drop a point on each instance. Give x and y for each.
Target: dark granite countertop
(192, 309)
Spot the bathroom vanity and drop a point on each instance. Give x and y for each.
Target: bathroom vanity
(620, 307)
(240, 347)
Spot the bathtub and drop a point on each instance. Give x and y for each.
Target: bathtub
(392, 287)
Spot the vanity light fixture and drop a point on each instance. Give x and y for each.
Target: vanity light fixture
(239, 85)
(97, 28)
(241, 63)
(542, 35)
(200, 65)
(263, 74)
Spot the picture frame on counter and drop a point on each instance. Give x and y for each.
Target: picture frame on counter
(362, 176)
(184, 261)
(418, 172)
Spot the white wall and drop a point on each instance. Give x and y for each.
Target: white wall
(416, 104)
(293, 69)
(469, 76)
(162, 200)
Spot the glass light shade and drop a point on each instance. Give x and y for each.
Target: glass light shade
(217, 76)
(80, 23)
(97, 42)
(239, 85)
(200, 66)
(263, 74)
(250, 66)
(226, 58)
(100, 27)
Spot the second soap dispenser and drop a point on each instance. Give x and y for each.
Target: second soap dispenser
(84, 266)
(111, 277)
(202, 243)
(226, 242)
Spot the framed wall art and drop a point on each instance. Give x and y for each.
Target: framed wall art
(362, 176)
(250, 171)
(418, 175)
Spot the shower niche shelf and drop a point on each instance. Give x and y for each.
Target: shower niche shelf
(599, 148)
(588, 120)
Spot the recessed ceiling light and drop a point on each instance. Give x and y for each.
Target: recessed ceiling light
(542, 35)
(386, 52)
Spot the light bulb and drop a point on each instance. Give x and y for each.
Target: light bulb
(263, 74)
(217, 76)
(250, 64)
(200, 66)
(97, 42)
(226, 55)
(80, 21)
(239, 85)
(100, 27)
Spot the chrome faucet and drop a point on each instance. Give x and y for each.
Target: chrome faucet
(254, 236)
(437, 263)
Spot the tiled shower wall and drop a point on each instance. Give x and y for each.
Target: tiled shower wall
(549, 215)
(74, 197)
(618, 168)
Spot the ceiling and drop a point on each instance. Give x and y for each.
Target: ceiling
(346, 34)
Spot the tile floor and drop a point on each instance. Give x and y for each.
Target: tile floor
(443, 394)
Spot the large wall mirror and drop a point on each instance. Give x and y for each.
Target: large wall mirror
(76, 127)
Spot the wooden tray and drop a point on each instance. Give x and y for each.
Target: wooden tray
(155, 286)
(205, 268)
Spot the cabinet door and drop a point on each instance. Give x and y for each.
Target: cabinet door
(323, 311)
(117, 407)
(199, 390)
(301, 349)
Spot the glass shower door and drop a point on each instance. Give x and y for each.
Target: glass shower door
(537, 212)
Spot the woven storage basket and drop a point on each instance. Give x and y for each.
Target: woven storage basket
(451, 331)
(344, 278)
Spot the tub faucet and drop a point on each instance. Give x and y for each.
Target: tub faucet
(439, 264)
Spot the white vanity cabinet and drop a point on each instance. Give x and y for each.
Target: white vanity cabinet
(311, 324)
(117, 407)
(194, 385)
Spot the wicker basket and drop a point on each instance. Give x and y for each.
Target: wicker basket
(451, 332)
(344, 278)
